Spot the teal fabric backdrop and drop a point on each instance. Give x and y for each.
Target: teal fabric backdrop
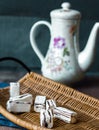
(17, 18)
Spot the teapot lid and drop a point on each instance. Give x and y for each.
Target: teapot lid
(65, 12)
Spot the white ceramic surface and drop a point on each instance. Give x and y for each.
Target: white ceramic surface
(63, 61)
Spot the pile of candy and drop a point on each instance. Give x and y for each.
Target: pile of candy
(18, 103)
(47, 107)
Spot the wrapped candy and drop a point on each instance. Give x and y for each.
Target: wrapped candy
(46, 118)
(50, 104)
(14, 89)
(65, 114)
(18, 106)
(39, 103)
(24, 97)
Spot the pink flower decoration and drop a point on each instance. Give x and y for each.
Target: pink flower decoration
(59, 42)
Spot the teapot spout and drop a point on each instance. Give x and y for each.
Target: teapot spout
(86, 57)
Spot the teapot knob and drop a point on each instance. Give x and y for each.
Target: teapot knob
(66, 5)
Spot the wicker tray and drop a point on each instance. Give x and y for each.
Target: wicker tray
(86, 106)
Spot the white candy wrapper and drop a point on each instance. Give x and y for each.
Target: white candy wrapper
(18, 106)
(50, 104)
(46, 118)
(14, 89)
(65, 114)
(24, 97)
(39, 103)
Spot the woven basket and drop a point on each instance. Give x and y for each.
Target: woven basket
(86, 106)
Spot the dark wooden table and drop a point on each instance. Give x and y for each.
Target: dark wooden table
(89, 85)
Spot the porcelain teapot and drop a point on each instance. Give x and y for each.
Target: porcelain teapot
(63, 61)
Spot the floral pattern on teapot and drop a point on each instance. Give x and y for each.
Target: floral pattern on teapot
(59, 42)
(58, 56)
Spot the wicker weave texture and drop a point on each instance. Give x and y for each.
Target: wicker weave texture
(87, 107)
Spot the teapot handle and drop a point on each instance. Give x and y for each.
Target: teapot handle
(33, 35)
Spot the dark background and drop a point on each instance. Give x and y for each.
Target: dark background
(17, 18)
